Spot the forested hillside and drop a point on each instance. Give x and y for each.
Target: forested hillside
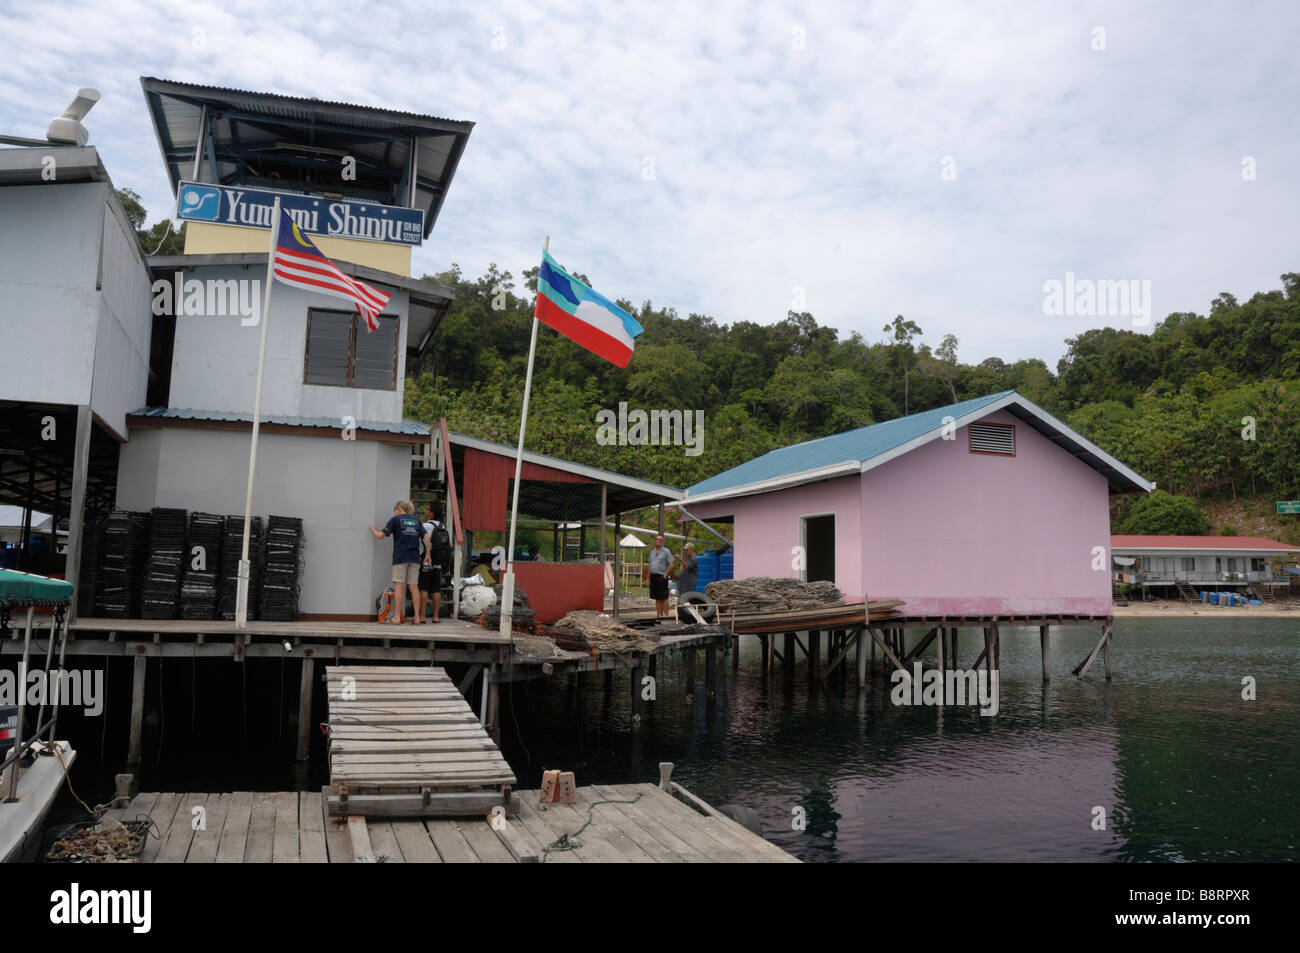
(1208, 406)
(1169, 403)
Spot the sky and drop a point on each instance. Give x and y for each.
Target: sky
(943, 161)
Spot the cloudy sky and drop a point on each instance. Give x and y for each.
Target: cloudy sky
(938, 160)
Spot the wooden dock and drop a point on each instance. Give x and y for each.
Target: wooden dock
(638, 823)
(404, 742)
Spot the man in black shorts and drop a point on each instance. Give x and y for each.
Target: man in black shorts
(661, 560)
(430, 570)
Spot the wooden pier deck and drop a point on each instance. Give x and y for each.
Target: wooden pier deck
(645, 825)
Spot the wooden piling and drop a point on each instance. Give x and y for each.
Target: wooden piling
(762, 641)
(1105, 650)
(306, 687)
(861, 660)
(710, 671)
(638, 673)
(814, 655)
(787, 654)
(136, 743)
(692, 669)
(1042, 641)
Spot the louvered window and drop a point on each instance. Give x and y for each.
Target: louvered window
(341, 353)
(993, 438)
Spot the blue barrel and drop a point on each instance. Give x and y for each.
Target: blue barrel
(1214, 598)
(726, 565)
(1205, 596)
(706, 569)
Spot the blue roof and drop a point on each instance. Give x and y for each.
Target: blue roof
(857, 446)
(407, 426)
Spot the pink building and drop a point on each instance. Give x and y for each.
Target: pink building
(988, 507)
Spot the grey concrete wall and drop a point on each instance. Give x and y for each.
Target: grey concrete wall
(75, 321)
(214, 364)
(49, 265)
(338, 487)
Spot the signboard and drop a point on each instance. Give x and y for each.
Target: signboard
(333, 218)
(1288, 506)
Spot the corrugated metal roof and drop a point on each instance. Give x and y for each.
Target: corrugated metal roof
(608, 476)
(1249, 543)
(177, 109)
(856, 446)
(407, 426)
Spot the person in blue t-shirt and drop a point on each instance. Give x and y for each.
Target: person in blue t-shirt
(407, 531)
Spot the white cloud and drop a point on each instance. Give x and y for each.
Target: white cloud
(774, 166)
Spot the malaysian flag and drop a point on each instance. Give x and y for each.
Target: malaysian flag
(298, 262)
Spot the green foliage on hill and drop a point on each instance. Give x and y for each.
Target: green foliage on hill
(1204, 405)
(1164, 514)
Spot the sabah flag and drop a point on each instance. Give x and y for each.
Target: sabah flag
(298, 262)
(583, 315)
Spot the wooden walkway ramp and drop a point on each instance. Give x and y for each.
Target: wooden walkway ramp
(639, 823)
(404, 742)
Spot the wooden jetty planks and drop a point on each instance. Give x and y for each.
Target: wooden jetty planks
(596, 846)
(486, 844)
(259, 848)
(543, 834)
(450, 842)
(176, 845)
(337, 844)
(383, 841)
(164, 810)
(651, 826)
(610, 812)
(415, 843)
(234, 835)
(311, 838)
(284, 840)
(747, 845)
(207, 839)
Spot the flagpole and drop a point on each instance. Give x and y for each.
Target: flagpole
(241, 591)
(508, 580)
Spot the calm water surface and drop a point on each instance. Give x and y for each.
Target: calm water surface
(1184, 768)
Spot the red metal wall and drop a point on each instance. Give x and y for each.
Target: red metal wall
(486, 503)
(555, 589)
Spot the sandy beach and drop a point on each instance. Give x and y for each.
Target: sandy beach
(1176, 610)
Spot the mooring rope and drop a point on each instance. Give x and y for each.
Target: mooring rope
(568, 841)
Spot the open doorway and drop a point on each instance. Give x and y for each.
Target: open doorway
(818, 540)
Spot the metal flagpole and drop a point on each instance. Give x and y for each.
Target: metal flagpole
(508, 580)
(241, 591)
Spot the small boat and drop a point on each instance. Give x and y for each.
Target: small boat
(33, 765)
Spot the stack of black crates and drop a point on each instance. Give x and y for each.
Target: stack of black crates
(125, 546)
(160, 596)
(202, 566)
(281, 568)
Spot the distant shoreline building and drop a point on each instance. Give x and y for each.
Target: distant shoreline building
(1203, 562)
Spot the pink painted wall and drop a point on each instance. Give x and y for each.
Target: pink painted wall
(949, 531)
(955, 532)
(767, 529)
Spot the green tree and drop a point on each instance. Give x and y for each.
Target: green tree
(1163, 514)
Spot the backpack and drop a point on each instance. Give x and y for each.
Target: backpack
(386, 604)
(441, 548)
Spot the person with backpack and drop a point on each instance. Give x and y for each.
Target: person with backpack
(437, 557)
(406, 531)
